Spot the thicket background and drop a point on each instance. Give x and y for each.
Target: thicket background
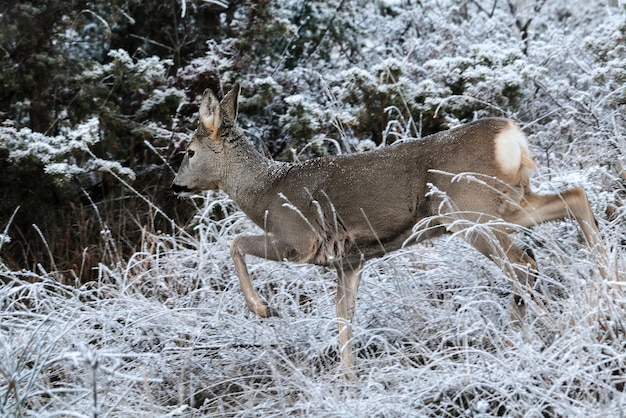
(118, 299)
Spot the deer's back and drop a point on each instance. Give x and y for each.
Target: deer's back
(353, 204)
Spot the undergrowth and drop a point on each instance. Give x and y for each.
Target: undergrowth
(167, 334)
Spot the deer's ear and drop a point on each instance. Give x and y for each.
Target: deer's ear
(210, 112)
(230, 103)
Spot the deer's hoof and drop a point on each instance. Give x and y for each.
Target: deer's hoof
(263, 309)
(269, 311)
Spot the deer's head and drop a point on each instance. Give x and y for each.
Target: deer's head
(204, 164)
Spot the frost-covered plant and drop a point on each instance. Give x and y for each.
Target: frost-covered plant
(62, 156)
(262, 93)
(140, 71)
(457, 80)
(26, 144)
(610, 57)
(366, 95)
(161, 104)
(124, 83)
(487, 74)
(167, 334)
(304, 121)
(217, 63)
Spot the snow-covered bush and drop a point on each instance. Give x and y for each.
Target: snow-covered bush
(65, 156)
(609, 57)
(141, 71)
(304, 121)
(487, 75)
(261, 93)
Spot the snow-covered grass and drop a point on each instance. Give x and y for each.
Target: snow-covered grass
(168, 334)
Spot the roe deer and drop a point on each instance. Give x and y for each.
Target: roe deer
(340, 211)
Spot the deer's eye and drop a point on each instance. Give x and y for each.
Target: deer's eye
(190, 153)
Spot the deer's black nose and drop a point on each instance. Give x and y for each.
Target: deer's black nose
(179, 189)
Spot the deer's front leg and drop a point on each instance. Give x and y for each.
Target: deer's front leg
(264, 246)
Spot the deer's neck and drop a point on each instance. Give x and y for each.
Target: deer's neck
(247, 177)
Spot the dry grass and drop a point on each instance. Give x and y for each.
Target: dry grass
(167, 334)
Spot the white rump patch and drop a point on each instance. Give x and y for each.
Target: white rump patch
(512, 150)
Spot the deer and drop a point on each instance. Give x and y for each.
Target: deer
(340, 211)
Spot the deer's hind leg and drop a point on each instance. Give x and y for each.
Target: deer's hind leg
(264, 246)
(493, 241)
(534, 209)
(349, 277)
